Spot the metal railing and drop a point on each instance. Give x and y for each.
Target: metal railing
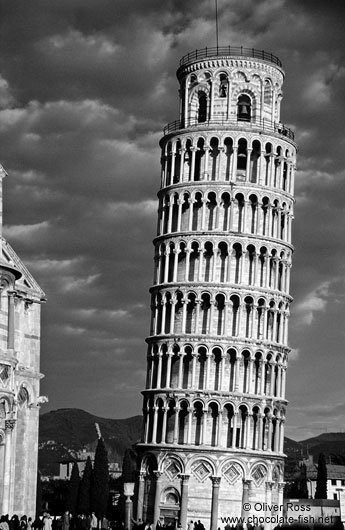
(263, 125)
(229, 51)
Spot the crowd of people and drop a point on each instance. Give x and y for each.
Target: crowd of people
(47, 522)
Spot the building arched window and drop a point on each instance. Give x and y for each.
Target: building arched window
(202, 109)
(244, 108)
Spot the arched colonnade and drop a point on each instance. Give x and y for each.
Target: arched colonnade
(216, 369)
(219, 212)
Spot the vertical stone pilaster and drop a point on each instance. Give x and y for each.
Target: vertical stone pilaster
(215, 500)
(184, 500)
(6, 499)
(156, 511)
(141, 487)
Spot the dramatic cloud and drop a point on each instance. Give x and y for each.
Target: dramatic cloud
(85, 90)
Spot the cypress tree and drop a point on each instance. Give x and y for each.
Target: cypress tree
(100, 482)
(303, 486)
(84, 501)
(38, 495)
(73, 490)
(321, 480)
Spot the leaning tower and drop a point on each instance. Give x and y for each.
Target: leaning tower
(214, 403)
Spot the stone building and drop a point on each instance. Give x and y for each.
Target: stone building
(214, 403)
(20, 306)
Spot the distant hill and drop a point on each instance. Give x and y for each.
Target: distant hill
(330, 443)
(64, 432)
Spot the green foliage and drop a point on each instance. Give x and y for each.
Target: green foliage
(84, 501)
(73, 490)
(321, 481)
(100, 482)
(38, 495)
(303, 487)
(129, 466)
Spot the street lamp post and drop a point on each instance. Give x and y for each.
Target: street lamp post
(128, 488)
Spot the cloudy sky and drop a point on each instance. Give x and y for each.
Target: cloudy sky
(86, 87)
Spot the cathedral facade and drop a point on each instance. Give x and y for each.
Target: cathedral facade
(214, 403)
(20, 305)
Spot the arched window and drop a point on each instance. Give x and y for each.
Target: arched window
(267, 92)
(243, 108)
(202, 109)
(223, 86)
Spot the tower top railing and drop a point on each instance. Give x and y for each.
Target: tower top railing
(232, 51)
(261, 124)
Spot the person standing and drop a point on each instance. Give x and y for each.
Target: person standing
(65, 520)
(47, 521)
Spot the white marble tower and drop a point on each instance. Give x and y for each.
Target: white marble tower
(214, 403)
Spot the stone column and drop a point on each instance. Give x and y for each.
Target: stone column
(207, 152)
(215, 499)
(281, 438)
(249, 444)
(279, 381)
(6, 486)
(180, 370)
(222, 371)
(204, 425)
(184, 500)
(234, 165)
(155, 420)
(167, 384)
(248, 167)
(281, 486)
(211, 99)
(164, 427)
(188, 251)
(203, 213)
(185, 104)
(259, 427)
(190, 220)
(245, 496)
(176, 252)
(10, 326)
(237, 374)
(141, 488)
(197, 316)
(159, 371)
(175, 436)
(193, 150)
(172, 316)
(201, 256)
(190, 422)
(156, 511)
(182, 161)
(272, 378)
(194, 368)
(234, 430)
(269, 486)
(208, 370)
(269, 436)
(219, 428)
(283, 382)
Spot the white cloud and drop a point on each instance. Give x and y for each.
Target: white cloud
(25, 231)
(314, 301)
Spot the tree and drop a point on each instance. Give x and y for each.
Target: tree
(38, 495)
(84, 502)
(100, 482)
(303, 485)
(73, 490)
(128, 466)
(321, 481)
